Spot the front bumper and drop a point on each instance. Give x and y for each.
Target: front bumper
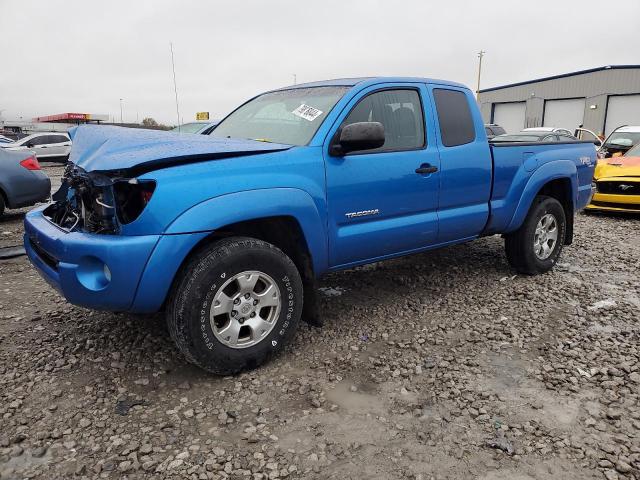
(90, 270)
(615, 203)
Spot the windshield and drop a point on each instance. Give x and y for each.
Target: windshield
(634, 152)
(193, 127)
(291, 116)
(623, 139)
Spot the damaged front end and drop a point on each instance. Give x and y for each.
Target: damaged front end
(98, 202)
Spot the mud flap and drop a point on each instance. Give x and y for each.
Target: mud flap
(310, 310)
(568, 236)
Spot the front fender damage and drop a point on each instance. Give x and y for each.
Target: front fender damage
(98, 202)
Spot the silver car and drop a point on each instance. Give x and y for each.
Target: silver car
(44, 145)
(22, 182)
(561, 131)
(203, 128)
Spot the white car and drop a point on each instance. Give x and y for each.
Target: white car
(563, 131)
(44, 145)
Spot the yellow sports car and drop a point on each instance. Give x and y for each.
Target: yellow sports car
(618, 183)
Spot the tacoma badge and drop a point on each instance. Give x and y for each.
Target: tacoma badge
(362, 213)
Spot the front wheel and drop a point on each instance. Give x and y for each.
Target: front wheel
(234, 305)
(535, 247)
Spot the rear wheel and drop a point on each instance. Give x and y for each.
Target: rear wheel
(535, 247)
(2, 206)
(234, 305)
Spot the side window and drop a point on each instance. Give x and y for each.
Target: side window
(454, 115)
(399, 112)
(488, 131)
(40, 140)
(58, 139)
(550, 138)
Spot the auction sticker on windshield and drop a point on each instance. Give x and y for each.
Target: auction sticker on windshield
(307, 112)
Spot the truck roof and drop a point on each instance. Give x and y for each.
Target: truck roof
(366, 81)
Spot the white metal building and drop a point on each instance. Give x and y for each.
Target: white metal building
(601, 99)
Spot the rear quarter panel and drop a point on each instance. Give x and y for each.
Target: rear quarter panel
(521, 170)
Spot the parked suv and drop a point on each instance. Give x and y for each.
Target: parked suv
(44, 145)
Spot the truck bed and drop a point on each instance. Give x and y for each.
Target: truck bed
(518, 164)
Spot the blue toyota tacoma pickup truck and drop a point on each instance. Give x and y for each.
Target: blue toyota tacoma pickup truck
(227, 232)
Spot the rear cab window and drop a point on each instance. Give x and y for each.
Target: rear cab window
(454, 117)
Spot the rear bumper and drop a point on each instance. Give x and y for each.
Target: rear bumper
(96, 271)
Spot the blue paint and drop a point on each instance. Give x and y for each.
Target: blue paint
(204, 184)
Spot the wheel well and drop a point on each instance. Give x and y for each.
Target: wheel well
(560, 189)
(283, 231)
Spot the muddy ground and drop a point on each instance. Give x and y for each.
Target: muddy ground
(443, 365)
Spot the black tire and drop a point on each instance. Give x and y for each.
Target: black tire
(519, 245)
(2, 206)
(198, 282)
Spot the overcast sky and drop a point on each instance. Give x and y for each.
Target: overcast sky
(84, 55)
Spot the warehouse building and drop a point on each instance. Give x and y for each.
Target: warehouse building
(601, 99)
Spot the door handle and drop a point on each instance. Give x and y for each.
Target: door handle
(426, 168)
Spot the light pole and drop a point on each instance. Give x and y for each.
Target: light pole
(175, 86)
(121, 110)
(480, 55)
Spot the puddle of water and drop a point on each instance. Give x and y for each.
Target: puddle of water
(331, 291)
(606, 303)
(26, 461)
(355, 402)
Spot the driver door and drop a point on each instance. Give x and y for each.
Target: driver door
(384, 202)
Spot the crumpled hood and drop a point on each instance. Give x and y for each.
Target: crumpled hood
(102, 148)
(617, 167)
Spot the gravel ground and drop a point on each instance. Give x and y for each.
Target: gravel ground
(438, 366)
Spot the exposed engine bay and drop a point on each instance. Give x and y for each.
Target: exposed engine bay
(98, 202)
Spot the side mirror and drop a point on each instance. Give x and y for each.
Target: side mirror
(28, 144)
(359, 136)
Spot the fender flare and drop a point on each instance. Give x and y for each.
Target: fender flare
(554, 170)
(217, 212)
